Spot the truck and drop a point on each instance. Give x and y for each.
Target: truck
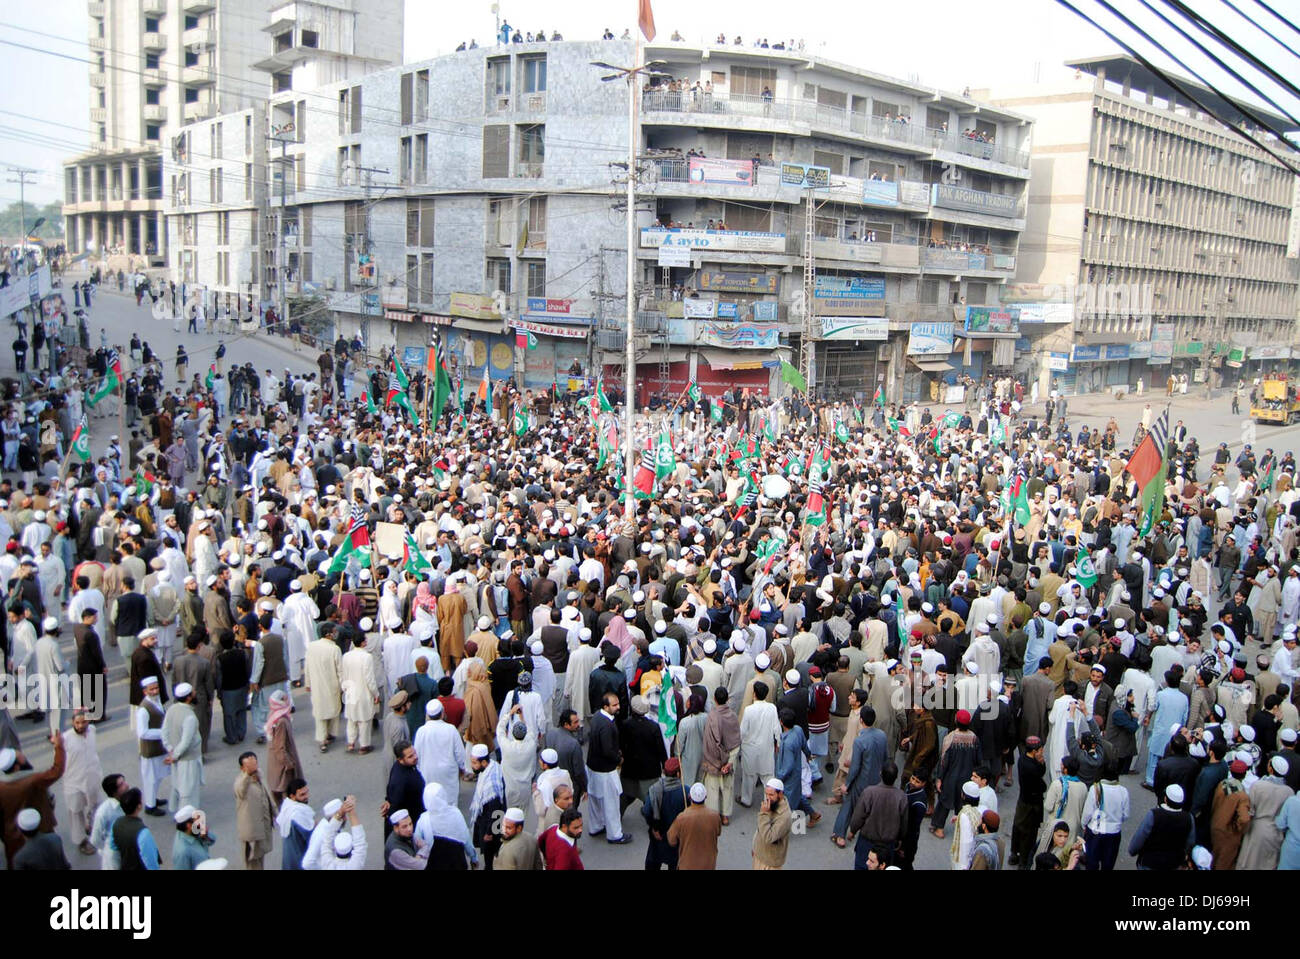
(1277, 401)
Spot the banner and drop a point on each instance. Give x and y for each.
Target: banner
(736, 240)
(1043, 313)
(1058, 362)
(849, 287)
(474, 306)
(993, 320)
(413, 357)
(728, 281)
(973, 201)
(550, 329)
(1162, 344)
(694, 308)
(880, 193)
(708, 171)
(765, 311)
(674, 256)
(802, 175)
(543, 306)
(735, 336)
(926, 339)
(855, 328)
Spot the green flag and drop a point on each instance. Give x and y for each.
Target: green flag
(81, 441)
(441, 392)
(211, 378)
(950, 421)
(1015, 497)
(667, 706)
(355, 543)
(769, 427)
(841, 432)
(144, 481)
(693, 391)
(371, 408)
(1153, 497)
(665, 461)
(998, 434)
(1086, 572)
(1266, 471)
(521, 420)
(792, 376)
(603, 400)
(900, 620)
(879, 398)
(413, 561)
(715, 411)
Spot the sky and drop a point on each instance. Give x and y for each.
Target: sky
(950, 44)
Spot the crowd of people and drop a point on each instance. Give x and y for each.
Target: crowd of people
(882, 619)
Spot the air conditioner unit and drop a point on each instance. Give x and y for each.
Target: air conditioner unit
(503, 104)
(389, 279)
(537, 101)
(330, 282)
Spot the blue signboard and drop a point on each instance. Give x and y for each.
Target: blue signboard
(849, 287)
(727, 311)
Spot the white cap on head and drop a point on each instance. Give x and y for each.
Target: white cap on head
(484, 622)
(762, 661)
(148, 681)
(776, 784)
(433, 709)
(50, 624)
(1202, 858)
(212, 865)
(536, 647)
(182, 690)
(550, 757)
(29, 820)
(478, 751)
(699, 793)
(185, 813)
(515, 815)
(710, 647)
(1174, 794)
(399, 816)
(793, 677)
(343, 844)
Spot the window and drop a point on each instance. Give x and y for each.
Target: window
(304, 226)
(407, 97)
(248, 135)
(499, 222)
(532, 147)
(739, 216)
(936, 119)
(536, 239)
(248, 181)
(213, 175)
(305, 273)
(218, 153)
(151, 132)
(354, 242)
(102, 133)
(151, 97)
(426, 277)
(310, 39)
(422, 158)
(404, 161)
(191, 58)
(884, 109)
(750, 82)
(191, 94)
(191, 22)
(223, 228)
(832, 98)
(349, 160)
(496, 151)
(300, 122)
(537, 279)
(884, 171)
(498, 83)
(412, 280)
(419, 223)
(833, 160)
(151, 61)
(350, 110)
(282, 81)
(421, 95)
(534, 70)
(150, 25)
(70, 185)
(498, 276)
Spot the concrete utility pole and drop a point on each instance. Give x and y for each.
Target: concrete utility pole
(22, 174)
(282, 134)
(366, 245)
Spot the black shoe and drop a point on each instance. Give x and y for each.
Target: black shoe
(621, 841)
(595, 832)
(153, 811)
(1013, 860)
(830, 767)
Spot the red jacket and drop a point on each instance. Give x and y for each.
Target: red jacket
(557, 852)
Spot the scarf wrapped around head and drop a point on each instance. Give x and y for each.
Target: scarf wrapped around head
(281, 707)
(424, 598)
(616, 632)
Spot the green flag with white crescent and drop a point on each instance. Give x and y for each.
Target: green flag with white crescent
(665, 461)
(521, 421)
(667, 706)
(841, 432)
(81, 441)
(715, 411)
(693, 391)
(1086, 573)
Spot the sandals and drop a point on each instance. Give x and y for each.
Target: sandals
(839, 841)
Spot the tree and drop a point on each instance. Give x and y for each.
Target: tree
(11, 221)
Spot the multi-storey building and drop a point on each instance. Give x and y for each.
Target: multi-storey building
(1156, 239)
(159, 65)
(482, 191)
(226, 176)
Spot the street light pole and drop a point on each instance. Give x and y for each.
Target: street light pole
(629, 373)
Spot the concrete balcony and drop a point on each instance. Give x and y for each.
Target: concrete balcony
(197, 6)
(198, 37)
(197, 76)
(153, 40)
(96, 43)
(98, 78)
(155, 112)
(98, 115)
(154, 8)
(95, 9)
(199, 111)
(153, 77)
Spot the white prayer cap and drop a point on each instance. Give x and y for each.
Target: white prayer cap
(1044, 608)
(343, 844)
(638, 596)
(699, 793)
(629, 614)
(1174, 794)
(478, 751)
(584, 633)
(927, 607)
(7, 759)
(365, 624)
(210, 581)
(660, 627)
(266, 589)
(972, 667)
(29, 820)
(1279, 765)
(515, 814)
(793, 677)
(484, 622)
(782, 629)
(295, 585)
(182, 690)
(991, 619)
(1098, 668)
(212, 864)
(433, 709)
(1247, 732)
(776, 784)
(50, 624)
(550, 757)
(1202, 858)
(710, 647)
(982, 629)
(739, 644)
(365, 576)
(1173, 730)
(399, 816)
(762, 661)
(278, 555)
(331, 808)
(148, 681)
(185, 813)
(147, 632)
(1287, 735)
(968, 788)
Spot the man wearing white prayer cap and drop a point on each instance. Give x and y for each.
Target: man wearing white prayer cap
(695, 831)
(402, 850)
(518, 852)
(181, 737)
(149, 717)
(40, 851)
(442, 758)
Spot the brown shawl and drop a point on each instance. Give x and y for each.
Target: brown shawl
(721, 738)
(480, 712)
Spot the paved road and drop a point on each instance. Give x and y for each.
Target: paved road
(337, 773)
